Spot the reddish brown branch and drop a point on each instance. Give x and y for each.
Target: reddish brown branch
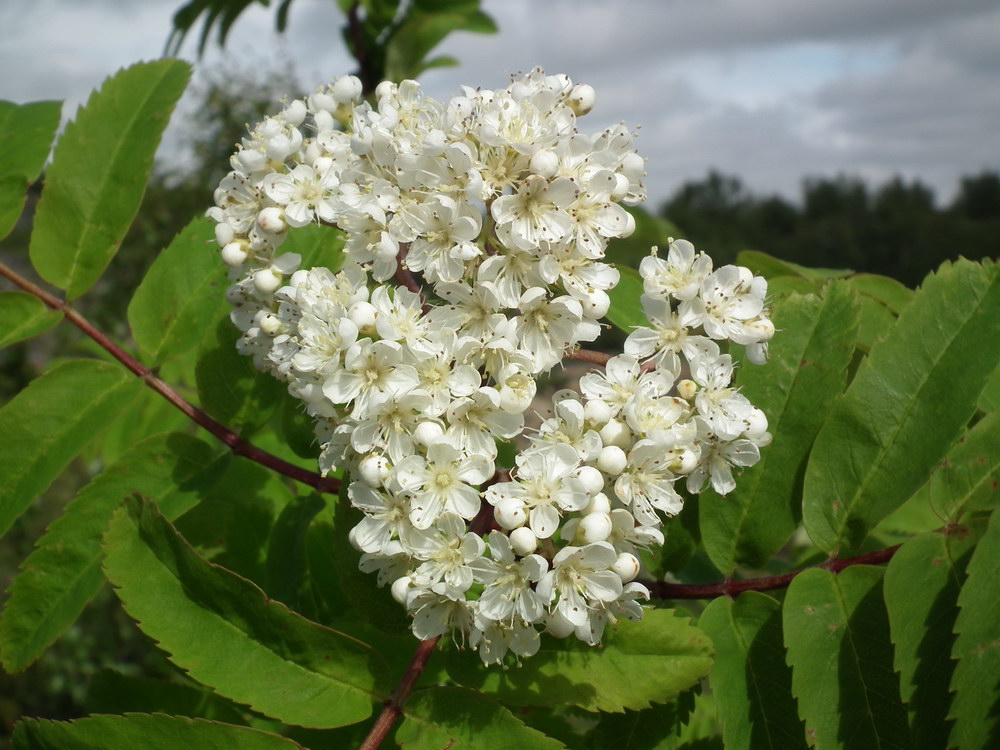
(236, 444)
(393, 708)
(589, 355)
(664, 590)
(405, 276)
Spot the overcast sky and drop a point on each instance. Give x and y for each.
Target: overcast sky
(770, 90)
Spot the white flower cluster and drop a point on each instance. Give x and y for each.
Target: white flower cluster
(475, 232)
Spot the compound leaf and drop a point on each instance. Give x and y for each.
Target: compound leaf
(224, 631)
(908, 403)
(99, 172)
(23, 316)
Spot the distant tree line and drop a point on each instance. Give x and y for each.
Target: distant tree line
(894, 229)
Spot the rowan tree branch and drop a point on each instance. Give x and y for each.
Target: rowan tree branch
(664, 590)
(393, 707)
(237, 445)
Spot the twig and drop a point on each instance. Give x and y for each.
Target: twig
(589, 355)
(393, 708)
(664, 590)
(405, 277)
(236, 444)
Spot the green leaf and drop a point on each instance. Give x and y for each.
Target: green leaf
(285, 570)
(888, 291)
(876, 320)
(751, 682)
(989, 399)
(26, 133)
(969, 477)
(977, 648)
(48, 423)
(921, 590)
(456, 718)
(183, 288)
(318, 246)
(909, 401)
(64, 571)
(424, 26)
(795, 389)
(656, 728)
(626, 311)
(224, 631)
(230, 388)
(149, 732)
(23, 316)
(771, 267)
(232, 523)
(98, 174)
(837, 635)
(111, 692)
(640, 663)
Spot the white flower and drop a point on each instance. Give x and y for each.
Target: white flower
(385, 515)
(508, 593)
(679, 276)
(307, 194)
(442, 482)
(579, 577)
(647, 483)
(447, 550)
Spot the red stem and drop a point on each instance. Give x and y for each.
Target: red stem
(236, 444)
(589, 355)
(393, 708)
(664, 590)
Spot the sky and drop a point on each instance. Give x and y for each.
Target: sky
(769, 90)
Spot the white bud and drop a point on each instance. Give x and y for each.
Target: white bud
(756, 424)
(347, 88)
(270, 324)
(687, 389)
(581, 98)
(763, 327)
(596, 304)
(595, 527)
(401, 589)
(612, 460)
(428, 432)
(510, 514)
(251, 159)
(523, 541)
(224, 234)
(544, 163)
(267, 281)
(384, 89)
(234, 254)
(362, 314)
(599, 503)
(616, 432)
(352, 537)
(626, 566)
(633, 164)
(597, 411)
(373, 469)
(295, 113)
(590, 479)
(272, 219)
(686, 462)
(558, 625)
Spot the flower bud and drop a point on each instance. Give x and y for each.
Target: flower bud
(763, 328)
(428, 432)
(224, 234)
(596, 304)
(295, 113)
(581, 98)
(347, 88)
(362, 314)
(267, 281)
(373, 469)
(626, 566)
(510, 514)
(544, 163)
(234, 254)
(756, 424)
(686, 462)
(523, 541)
(597, 412)
(612, 460)
(599, 503)
(272, 219)
(401, 589)
(594, 527)
(687, 389)
(620, 190)
(616, 432)
(270, 324)
(558, 625)
(590, 479)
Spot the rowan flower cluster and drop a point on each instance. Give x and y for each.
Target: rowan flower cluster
(475, 233)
